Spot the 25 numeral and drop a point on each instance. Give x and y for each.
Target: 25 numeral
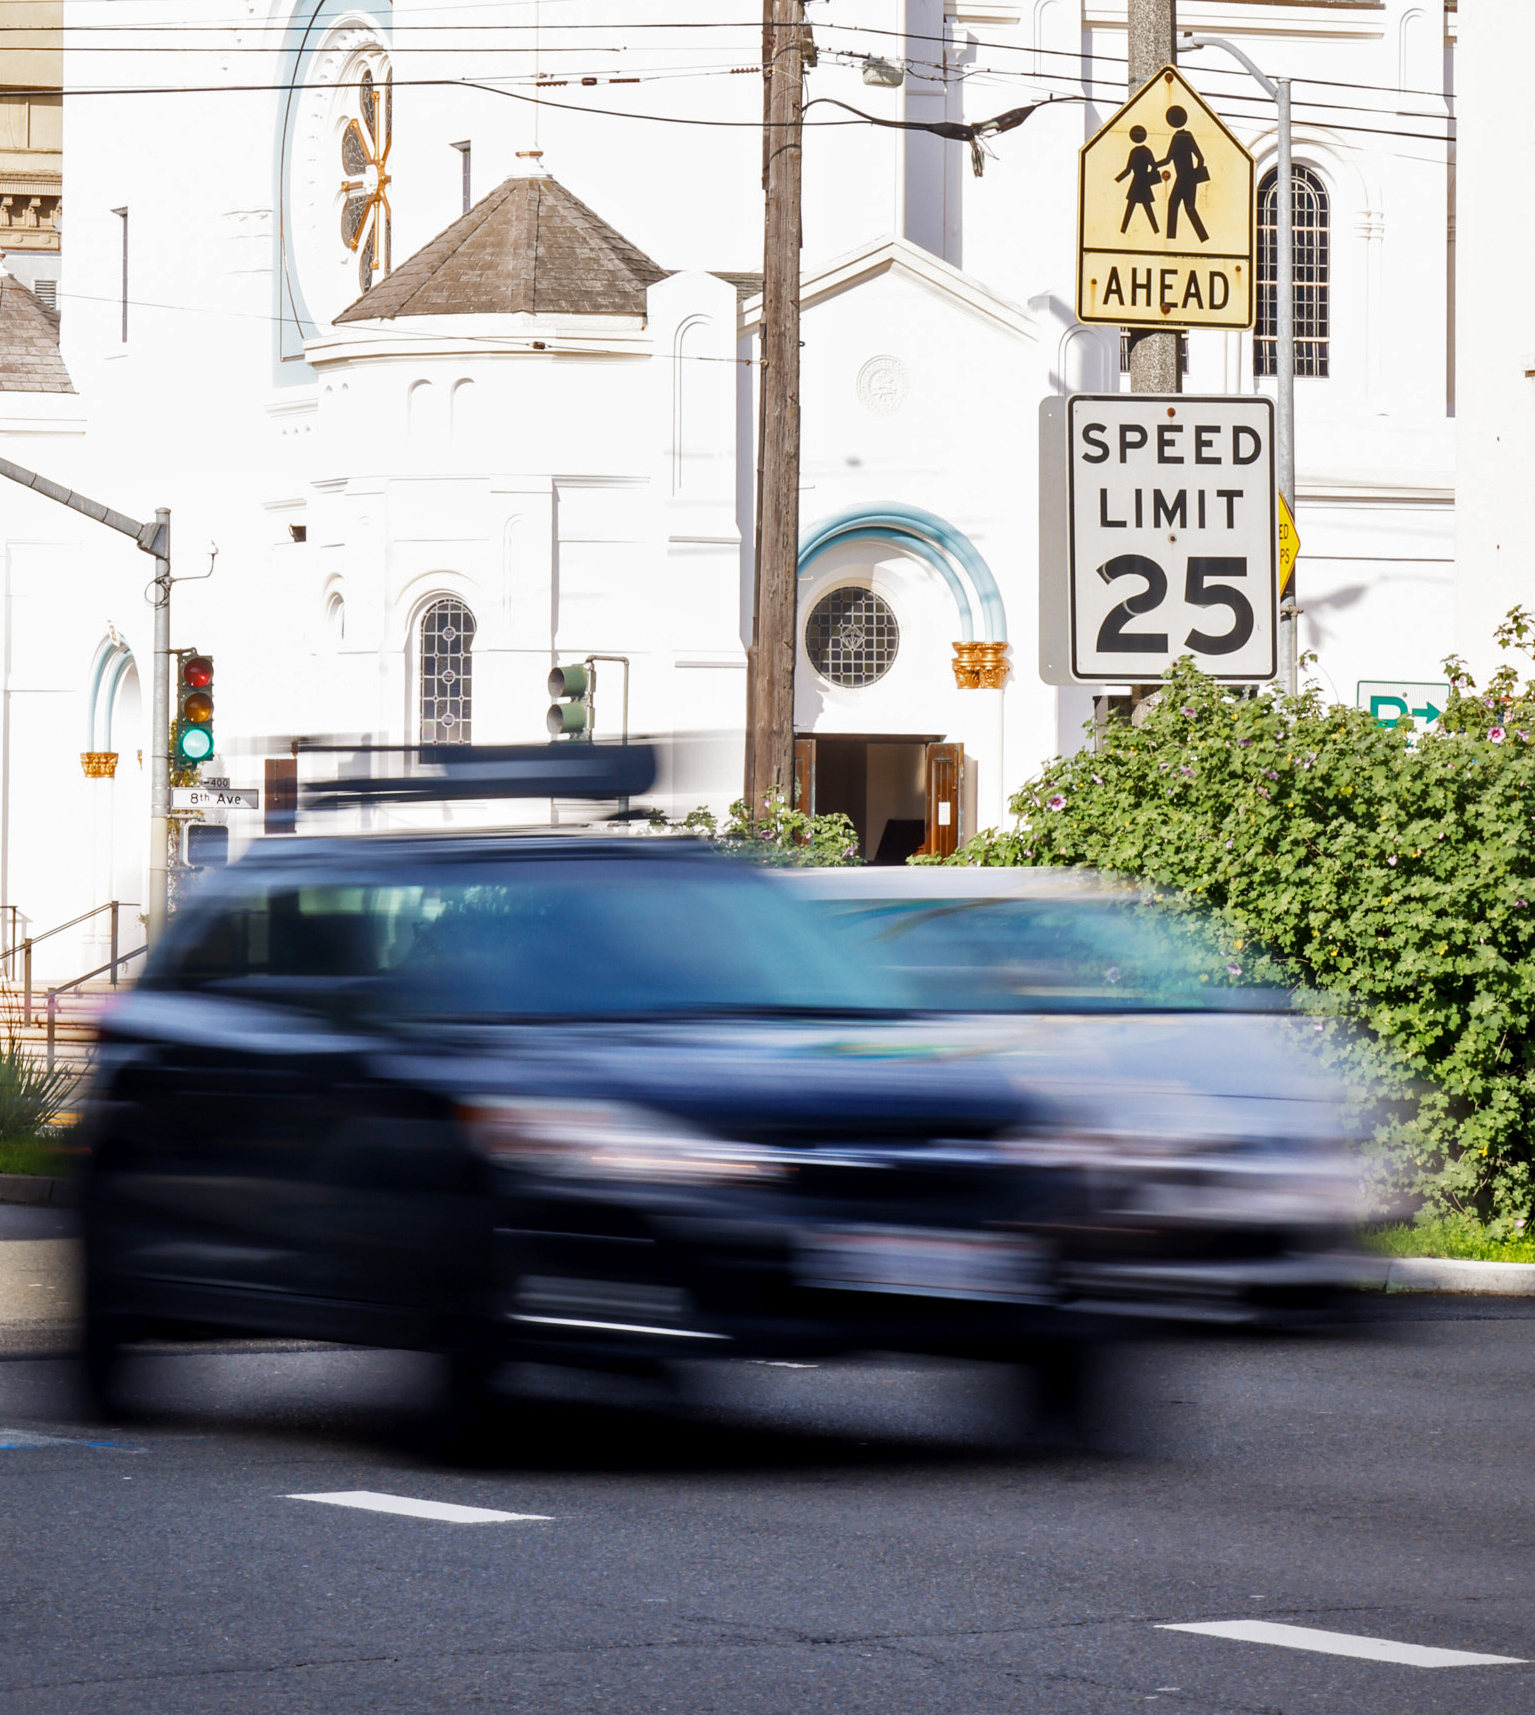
(1199, 590)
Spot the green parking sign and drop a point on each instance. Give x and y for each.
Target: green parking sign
(1391, 700)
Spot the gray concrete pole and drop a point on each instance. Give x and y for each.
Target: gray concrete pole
(1284, 295)
(1154, 366)
(160, 734)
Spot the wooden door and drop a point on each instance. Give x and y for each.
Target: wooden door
(279, 800)
(804, 775)
(945, 795)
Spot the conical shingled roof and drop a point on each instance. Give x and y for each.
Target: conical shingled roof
(528, 247)
(29, 343)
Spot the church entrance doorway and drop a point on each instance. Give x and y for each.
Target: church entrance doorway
(904, 794)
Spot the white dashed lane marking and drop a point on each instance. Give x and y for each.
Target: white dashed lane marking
(1342, 1643)
(448, 1512)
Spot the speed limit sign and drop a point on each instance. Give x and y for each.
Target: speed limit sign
(1157, 537)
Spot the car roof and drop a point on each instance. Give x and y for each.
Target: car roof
(950, 881)
(296, 850)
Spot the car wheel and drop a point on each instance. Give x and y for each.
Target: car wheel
(468, 1419)
(1061, 1393)
(103, 1353)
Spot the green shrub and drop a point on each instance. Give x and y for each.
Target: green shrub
(30, 1100)
(1389, 874)
(780, 836)
(1455, 1236)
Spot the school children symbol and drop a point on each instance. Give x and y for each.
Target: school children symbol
(1165, 215)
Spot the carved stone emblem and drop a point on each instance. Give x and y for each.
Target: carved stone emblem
(883, 384)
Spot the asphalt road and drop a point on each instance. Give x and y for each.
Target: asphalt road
(850, 1538)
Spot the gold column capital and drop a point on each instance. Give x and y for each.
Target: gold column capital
(981, 666)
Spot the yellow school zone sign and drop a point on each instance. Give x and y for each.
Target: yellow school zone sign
(1165, 216)
(1289, 544)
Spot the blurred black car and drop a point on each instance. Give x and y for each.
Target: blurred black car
(597, 1101)
(1223, 1157)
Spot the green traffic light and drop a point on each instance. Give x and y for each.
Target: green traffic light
(567, 719)
(572, 681)
(194, 744)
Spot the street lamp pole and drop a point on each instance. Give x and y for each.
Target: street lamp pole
(152, 539)
(1284, 209)
(160, 734)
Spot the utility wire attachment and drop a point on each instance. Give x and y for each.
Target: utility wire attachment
(952, 130)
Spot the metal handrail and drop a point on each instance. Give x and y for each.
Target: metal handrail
(95, 911)
(114, 906)
(74, 983)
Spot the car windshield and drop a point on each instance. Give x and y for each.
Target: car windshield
(1038, 955)
(575, 938)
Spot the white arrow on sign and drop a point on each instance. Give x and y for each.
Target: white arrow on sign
(215, 798)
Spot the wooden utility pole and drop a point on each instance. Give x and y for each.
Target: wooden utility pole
(1154, 365)
(770, 662)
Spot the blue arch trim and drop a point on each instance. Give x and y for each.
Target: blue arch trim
(309, 23)
(125, 661)
(930, 537)
(108, 656)
(939, 562)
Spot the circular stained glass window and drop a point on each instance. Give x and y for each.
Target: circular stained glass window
(852, 637)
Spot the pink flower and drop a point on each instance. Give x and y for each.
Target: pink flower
(1188, 712)
(1391, 861)
(1496, 734)
(1095, 780)
(1055, 802)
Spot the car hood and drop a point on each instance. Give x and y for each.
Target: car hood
(768, 1080)
(1198, 1077)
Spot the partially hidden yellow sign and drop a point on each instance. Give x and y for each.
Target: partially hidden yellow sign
(1289, 544)
(1165, 215)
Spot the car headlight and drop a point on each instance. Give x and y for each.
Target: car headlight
(608, 1140)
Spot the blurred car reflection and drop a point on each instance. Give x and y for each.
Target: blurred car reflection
(1225, 1177)
(597, 1101)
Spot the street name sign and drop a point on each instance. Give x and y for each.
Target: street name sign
(1166, 215)
(1390, 700)
(1158, 537)
(215, 798)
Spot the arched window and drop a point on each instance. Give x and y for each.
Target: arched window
(447, 672)
(1312, 262)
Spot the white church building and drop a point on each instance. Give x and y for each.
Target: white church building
(434, 326)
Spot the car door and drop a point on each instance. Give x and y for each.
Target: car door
(227, 1064)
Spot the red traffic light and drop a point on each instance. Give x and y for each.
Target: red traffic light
(197, 671)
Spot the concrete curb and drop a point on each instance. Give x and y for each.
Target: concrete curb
(1440, 1274)
(37, 1188)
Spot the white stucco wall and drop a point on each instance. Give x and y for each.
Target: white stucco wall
(1495, 328)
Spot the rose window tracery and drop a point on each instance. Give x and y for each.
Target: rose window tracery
(365, 144)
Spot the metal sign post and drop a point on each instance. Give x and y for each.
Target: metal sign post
(1284, 327)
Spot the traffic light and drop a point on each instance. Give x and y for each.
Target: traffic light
(194, 711)
(571, 716)
(204, 845)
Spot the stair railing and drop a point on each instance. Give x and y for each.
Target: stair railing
(115, 906)
(75, 982)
